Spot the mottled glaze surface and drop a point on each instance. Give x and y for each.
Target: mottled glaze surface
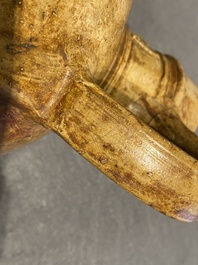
(45, 45)
(53, 57)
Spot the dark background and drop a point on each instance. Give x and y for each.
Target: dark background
(56, 209)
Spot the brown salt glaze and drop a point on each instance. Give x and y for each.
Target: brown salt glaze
(57, 56)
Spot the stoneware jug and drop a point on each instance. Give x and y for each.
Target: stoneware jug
(74, 68)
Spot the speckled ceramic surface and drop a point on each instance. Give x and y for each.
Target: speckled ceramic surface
(55, 208)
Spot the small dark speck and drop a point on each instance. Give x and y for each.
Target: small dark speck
(149, 174)
(54, 13)
(18, 2)
(103, 160)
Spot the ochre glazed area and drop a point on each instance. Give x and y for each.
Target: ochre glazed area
(57, 57)
(44, 45)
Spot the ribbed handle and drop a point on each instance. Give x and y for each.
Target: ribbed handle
(155, 88)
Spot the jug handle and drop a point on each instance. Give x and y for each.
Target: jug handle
(127, 150)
